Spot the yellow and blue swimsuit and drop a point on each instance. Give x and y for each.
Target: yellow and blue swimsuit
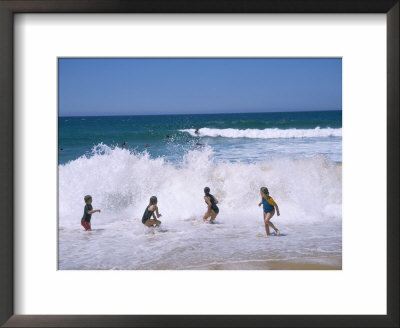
(268, 205)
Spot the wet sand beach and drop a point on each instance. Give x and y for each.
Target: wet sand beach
(335, 263)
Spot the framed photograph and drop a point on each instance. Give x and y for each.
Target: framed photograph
(220, 123)
(199, 163)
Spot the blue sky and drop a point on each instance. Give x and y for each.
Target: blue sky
(145, 86)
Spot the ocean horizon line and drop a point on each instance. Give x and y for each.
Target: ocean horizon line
(186, 114)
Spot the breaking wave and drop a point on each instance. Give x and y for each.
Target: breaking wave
(266, 133)
(121, 183)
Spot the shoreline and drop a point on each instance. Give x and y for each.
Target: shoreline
(308, 264)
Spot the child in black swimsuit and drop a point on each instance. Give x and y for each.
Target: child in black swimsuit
(151, 210)
(212, 208)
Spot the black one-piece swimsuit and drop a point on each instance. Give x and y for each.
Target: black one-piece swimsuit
(147, 215)
(214, 206)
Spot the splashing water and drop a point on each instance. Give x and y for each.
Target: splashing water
(307, 190)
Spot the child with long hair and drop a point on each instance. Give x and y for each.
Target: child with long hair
(212, 208)
(151, 210)
(269, 207)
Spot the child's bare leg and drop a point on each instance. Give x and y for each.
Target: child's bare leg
(206, 216)
(213, 216)
(267, 221)
(266, 224)
(267, 217)
(267, 229)
(273, 227)
(151, 222)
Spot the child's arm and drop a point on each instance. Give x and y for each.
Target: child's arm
(158, 214)
(260, 203)
(274, 204)
(277, 209)
(215, 200)
(154, 208)
(93, 211)
(208, 202)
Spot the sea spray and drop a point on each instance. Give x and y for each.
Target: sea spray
(308, 192)
(121, 183)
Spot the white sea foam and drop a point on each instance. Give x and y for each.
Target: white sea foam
(267, 133)
(308, 192)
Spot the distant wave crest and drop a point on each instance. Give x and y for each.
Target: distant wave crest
(267, 133)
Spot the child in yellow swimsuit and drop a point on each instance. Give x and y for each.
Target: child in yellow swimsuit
(269, 206)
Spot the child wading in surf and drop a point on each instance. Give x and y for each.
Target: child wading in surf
(87, 213)
(151, 210)
(212, 208)
(269, 206)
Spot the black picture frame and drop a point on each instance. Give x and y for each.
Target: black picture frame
(10, 7)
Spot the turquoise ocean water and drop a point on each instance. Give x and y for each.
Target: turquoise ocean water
(234, 137)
